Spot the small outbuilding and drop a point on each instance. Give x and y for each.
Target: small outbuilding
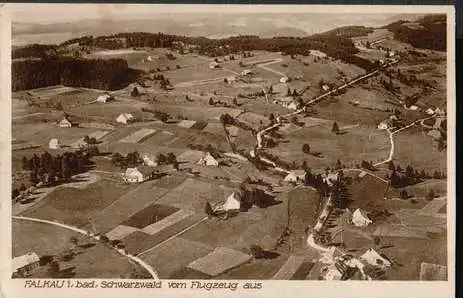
(360, 218)
(149, 161)
(54, 144)
(65, 123)
(208, 160)
(213, 65)
(230, 80)
(284, 79)
(105, 98)
(246, 72)
(125, 118)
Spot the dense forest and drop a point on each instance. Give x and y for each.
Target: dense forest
(334, 44)
(429, 32)
(108, 74)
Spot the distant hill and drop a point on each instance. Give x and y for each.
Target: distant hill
(429, 32)
(283, 32)
(350, 31)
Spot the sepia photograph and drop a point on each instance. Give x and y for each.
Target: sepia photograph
(229, 144)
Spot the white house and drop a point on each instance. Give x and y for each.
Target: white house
(284, 79)
(54, 144)
(149, 58)
(208, 160)
(104, 98)
(25, 264)
(360, 218)
(149, 161)
(430, 111)
(291, 177)
(138, 174)
(374, 258)
(65, 123)
(213, 65)
(125, 118)
(246, 72)
(325, 87)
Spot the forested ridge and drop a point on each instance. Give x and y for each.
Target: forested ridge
(110, 74)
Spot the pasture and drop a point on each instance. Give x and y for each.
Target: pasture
(415, 148)
(357, 144)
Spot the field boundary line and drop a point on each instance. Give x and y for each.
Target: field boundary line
(86, 233)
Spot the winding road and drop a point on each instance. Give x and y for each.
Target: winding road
(137, 260)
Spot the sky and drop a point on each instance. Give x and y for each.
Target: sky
(58, 13)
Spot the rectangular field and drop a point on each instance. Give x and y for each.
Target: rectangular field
(138, 136)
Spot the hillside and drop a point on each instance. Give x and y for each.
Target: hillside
(428, 32)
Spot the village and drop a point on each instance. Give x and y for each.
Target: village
(254, 165)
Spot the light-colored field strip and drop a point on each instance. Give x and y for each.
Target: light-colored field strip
(172, 141)
(139, 135)
(174, 236)
(83, 232)
(220, 260)
(167, 221)
(120, 232)
(288, 269)
(432, 207)
(186, 123)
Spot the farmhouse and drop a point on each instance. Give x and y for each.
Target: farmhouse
(360, 218)
(374, 258)
(430, 111)
(138, 174)
(284, 79)
(125, 118)
(325, 87)
(104, 98)
(213, 65)
(208, 160)
(24, 265)
(149, 58)
(65, 123)
(246, 72)
(54, 144)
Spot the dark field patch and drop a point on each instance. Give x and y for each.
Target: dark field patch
(149, 215)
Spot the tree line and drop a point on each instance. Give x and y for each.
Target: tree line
(409, 176)
(110, 74)
(52, 170)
